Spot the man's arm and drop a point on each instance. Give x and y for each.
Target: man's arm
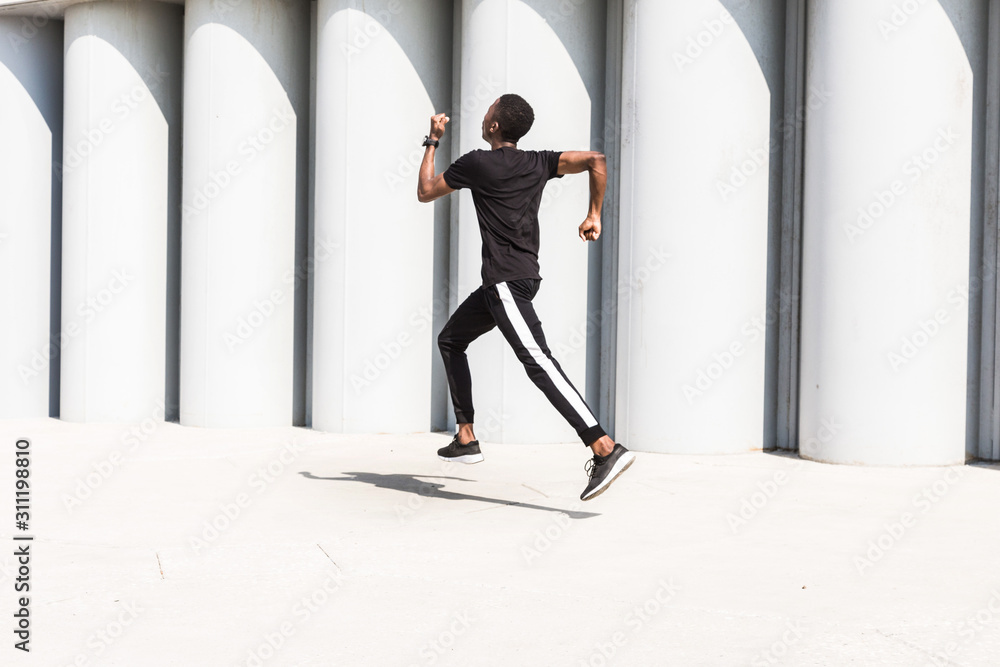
(575, 162)
(429, 186)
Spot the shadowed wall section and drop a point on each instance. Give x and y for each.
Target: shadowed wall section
(244, 196)
(554, 58)
(383, 68)
(30, 195)
(121, 122)
(696, 188)
(886, 225)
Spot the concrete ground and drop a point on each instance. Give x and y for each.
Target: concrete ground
(185, 546)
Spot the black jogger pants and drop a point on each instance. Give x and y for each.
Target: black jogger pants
(507, 305)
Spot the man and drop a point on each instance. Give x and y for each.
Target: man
(507, 186)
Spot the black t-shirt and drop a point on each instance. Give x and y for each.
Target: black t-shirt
(506, 186)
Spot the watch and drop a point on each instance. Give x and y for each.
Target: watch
(431, 142)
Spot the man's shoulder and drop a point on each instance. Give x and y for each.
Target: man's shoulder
(546, 158)
(480, 153)
(474, 154)
(547, 161)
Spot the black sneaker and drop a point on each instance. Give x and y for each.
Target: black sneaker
(455, 451)
(605, 469)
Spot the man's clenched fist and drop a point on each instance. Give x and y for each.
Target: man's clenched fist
(590, 230)
(438, 122)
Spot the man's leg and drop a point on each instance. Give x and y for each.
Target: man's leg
(470, 321)
(513, 312)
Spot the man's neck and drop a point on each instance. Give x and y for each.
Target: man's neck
(499, 143)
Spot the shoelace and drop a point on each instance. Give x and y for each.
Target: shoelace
(590, 466)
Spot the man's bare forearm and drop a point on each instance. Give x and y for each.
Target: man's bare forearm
(426, 172)
(598, 182)
(429, 185)
(597, 167)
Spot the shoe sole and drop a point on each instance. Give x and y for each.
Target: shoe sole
(464, 458)
(621, 465)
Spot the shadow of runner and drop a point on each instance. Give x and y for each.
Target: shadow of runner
(411, 484)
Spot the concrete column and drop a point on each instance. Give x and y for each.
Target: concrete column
(986, 444)
(887, 206)
(552, 54)
(246, 91)
(698, 142)
(784, 430)
(31, 134)
(122, 113)
(383, 68)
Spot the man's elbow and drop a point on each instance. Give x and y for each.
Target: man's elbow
(597, 162)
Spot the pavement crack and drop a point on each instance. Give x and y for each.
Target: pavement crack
(328, 556)
(915, 647)
(535, 490)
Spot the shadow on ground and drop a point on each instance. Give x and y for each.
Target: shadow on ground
(411, 484)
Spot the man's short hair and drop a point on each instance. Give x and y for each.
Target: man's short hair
(515, 117)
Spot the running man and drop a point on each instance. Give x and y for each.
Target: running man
(506, 185)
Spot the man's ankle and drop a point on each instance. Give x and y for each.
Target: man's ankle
(603, 446)
(465, 434)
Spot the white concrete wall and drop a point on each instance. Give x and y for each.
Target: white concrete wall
(245, 109)
(122, 110)
(30, 132)
(536, 50)
(694, 218)
(892, 203)
(886, 235)
(383, 69)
